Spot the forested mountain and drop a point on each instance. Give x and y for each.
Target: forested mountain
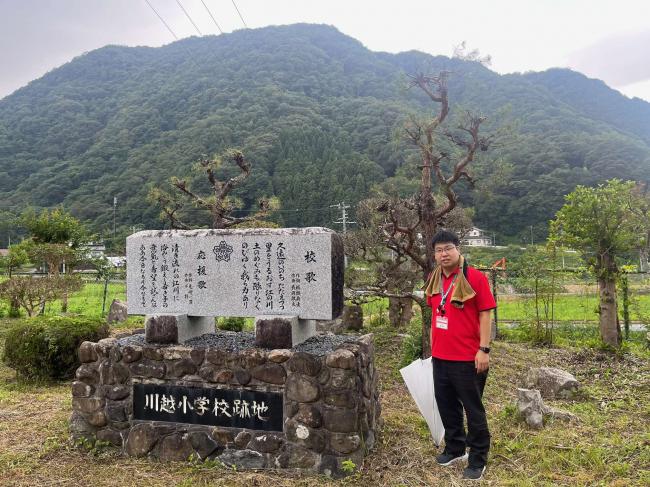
(317, 113)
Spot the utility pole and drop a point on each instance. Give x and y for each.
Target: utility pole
(344, 220)
(114, 212)
(531, 236)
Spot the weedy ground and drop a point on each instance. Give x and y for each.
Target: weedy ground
(609, 445)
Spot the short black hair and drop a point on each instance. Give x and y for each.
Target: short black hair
(444, 236)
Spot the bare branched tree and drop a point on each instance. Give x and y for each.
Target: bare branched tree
(219, 204)
(445, 154)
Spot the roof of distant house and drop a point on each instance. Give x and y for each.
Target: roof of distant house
(4, 252)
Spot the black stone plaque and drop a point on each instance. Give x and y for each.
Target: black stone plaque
(202, 405)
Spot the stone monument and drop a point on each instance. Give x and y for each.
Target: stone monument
(282, 397)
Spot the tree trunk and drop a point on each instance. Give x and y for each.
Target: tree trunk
(426, 330)
(609, 330)
(400, 311)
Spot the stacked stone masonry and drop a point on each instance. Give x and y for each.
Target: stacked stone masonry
(331, 402)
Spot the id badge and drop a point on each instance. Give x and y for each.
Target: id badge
(442, 322)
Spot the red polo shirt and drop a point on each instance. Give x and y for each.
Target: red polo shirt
(462, 338)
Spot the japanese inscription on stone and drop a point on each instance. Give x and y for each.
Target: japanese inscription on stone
(218, 407)
(236, 272)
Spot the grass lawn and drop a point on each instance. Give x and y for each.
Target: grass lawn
(576, 307)
(609, 446)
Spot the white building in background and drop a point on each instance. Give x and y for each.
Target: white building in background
(477, 238)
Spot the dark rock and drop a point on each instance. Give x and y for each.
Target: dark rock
(148, 368)
(161, 329)
(203, 444)
(116, 411)
(352, 317)
(339, 397)
(197, 356)
(243, 376)
(103, 347)
(81, 389)
(294, 456)
(115, 355)
(342, 379)
(304, 363)
(310, 438)
(290, 408)
(270, 373)
(223, 436)
(369, 440)
(273, 333)
(113, 373)
(164, 429)
(87, 404)
(111, 436)
(211, 373)
(341, 359)
(242, 459)
(152, 353)
(88, 374)
(97, 418)
(116, 392)
(340, 420)
(117, 313)
(175, 448)
(324, 375)
(251, 358)
(87, 352)
(242, 439)
(342, 443)
(300, 389)
(122, 425)
(79, 427)
(183, 367)
(309, 415)
(280, 355)
(331, 465)
(216, 357)
(131, 353)
(266, 443)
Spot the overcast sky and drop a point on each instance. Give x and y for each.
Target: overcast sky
(606, 39)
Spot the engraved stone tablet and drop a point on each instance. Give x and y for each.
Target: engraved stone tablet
(249, 272)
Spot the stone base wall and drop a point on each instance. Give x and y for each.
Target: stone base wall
(331, 401)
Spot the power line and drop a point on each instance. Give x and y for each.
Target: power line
(188, 17)
(212, 16)
(161, 19)
(242, 18)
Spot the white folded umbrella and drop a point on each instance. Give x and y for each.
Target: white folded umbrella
(418, 377)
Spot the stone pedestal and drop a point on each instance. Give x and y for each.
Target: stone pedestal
(282, 331)
(321, 400)
(171, 329)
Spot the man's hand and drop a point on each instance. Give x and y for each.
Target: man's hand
(481, 361)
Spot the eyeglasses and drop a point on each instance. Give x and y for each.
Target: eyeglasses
(447, 249)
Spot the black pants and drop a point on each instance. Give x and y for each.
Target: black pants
(458, 386)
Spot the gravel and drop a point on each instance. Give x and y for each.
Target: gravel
(238, 341)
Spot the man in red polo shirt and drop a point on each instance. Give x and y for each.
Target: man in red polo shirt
(461, 304)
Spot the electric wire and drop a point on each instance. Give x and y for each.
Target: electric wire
(162, 20)
(212, 16)
(240, 16)
(188, 17)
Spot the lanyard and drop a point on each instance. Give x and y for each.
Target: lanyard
(441, 306)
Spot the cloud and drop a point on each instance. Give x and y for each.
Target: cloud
(619, 60)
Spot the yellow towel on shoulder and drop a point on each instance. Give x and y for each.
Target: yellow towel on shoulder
(462, 290)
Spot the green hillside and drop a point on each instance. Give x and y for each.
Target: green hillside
(316, 112)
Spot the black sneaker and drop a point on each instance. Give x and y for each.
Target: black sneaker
(445, 459)
(471, 473)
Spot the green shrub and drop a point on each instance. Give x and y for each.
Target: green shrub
(412, 344)
(232, 323)
(46, 347)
